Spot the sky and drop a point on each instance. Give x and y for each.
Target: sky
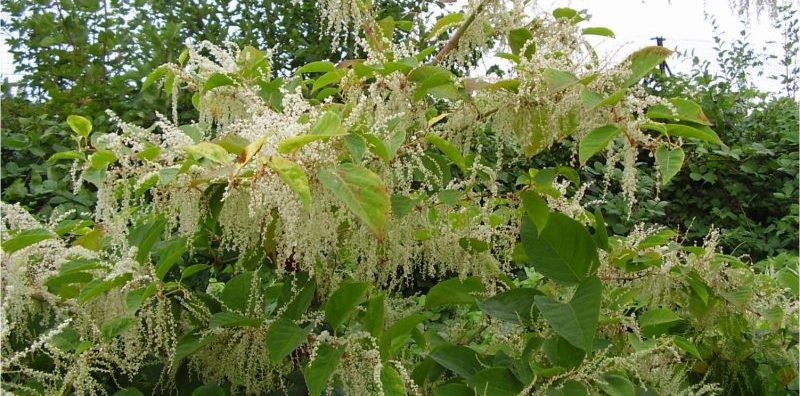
(681, 22)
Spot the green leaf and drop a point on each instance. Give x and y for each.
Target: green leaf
(362, 191)
(115, 327)
(598, 31)
(154, 76)
(236, 293)
(209, 390)
(283, 337)
(217, 80)
(643, 61)
(374, 316)
(449, 150)
(210, 151)
(669, 162)
(317, 67)
(321, 368)
(617, 385)
(168, 255)
(294, 176)
(444, 23)
(453, 389)
(577, 320)
(568, 388)
(687, 346)
(397, 334)
(327, 126)
(564, 251)
(99, 286)
(402, 205)
(128, 392)
(300, 301)
(657, 321)
(392, 382)
(695, 131)
(536, 208)
(454, 291)
(459, 359)
(596, 140)
(80, 125)
(495, 381)
(233, 319)
(70, 155)
(193, 269)
(191, 343)
(428, 77)
(568, 13)
(558, 80)
(326, 79)
(342, 302)
(600, 232)
(517, 38)
(26, 238)
(685, 110)
(145, 236)
(514, 306)
(135, 298)
(102, 158)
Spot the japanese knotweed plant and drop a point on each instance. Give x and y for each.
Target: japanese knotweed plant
(286, 241)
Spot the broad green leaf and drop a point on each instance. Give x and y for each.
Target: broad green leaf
(669, 162)
(600, 232)
(99, 286)
(26, 238)
(392, 382)
(643, 61)
(459, 359)
(558, 80)
(154, 76)
(449, 150)
(657, 321)
(687, 346)
(596, 140)
(536, 208)
(115, 327)
(613, 99)
(444, 23)
(495, 381)
(454, 291)
(570, 14)
(102, 158)
(617, 384)
(374, 316)
(453, 389)
(428, 77)
(568, 388)
(317, 67)
(70, 155)
(696, 131)
(517, 38)
(362, 191)
(135, 298)
(319, 371)
(564, 251)
(191, 343)
(326, 79)
(342, 302)
(283, 337)
(80, 125)
(294, 143)
(145, 236)
(402, 205)
(685, 110)
(590, 99)
(217, 80)
(193, 269)
(210, 151)
(598, 31)
(577, 320)
(209, 390)
(329, 124)
(168, 255)
(233, 319)
(128, 392)
(294, 177)
(300, 300)
(514, 306)
(237, 290)
(397, 334)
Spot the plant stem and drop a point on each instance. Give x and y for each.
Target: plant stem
(453, 42)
